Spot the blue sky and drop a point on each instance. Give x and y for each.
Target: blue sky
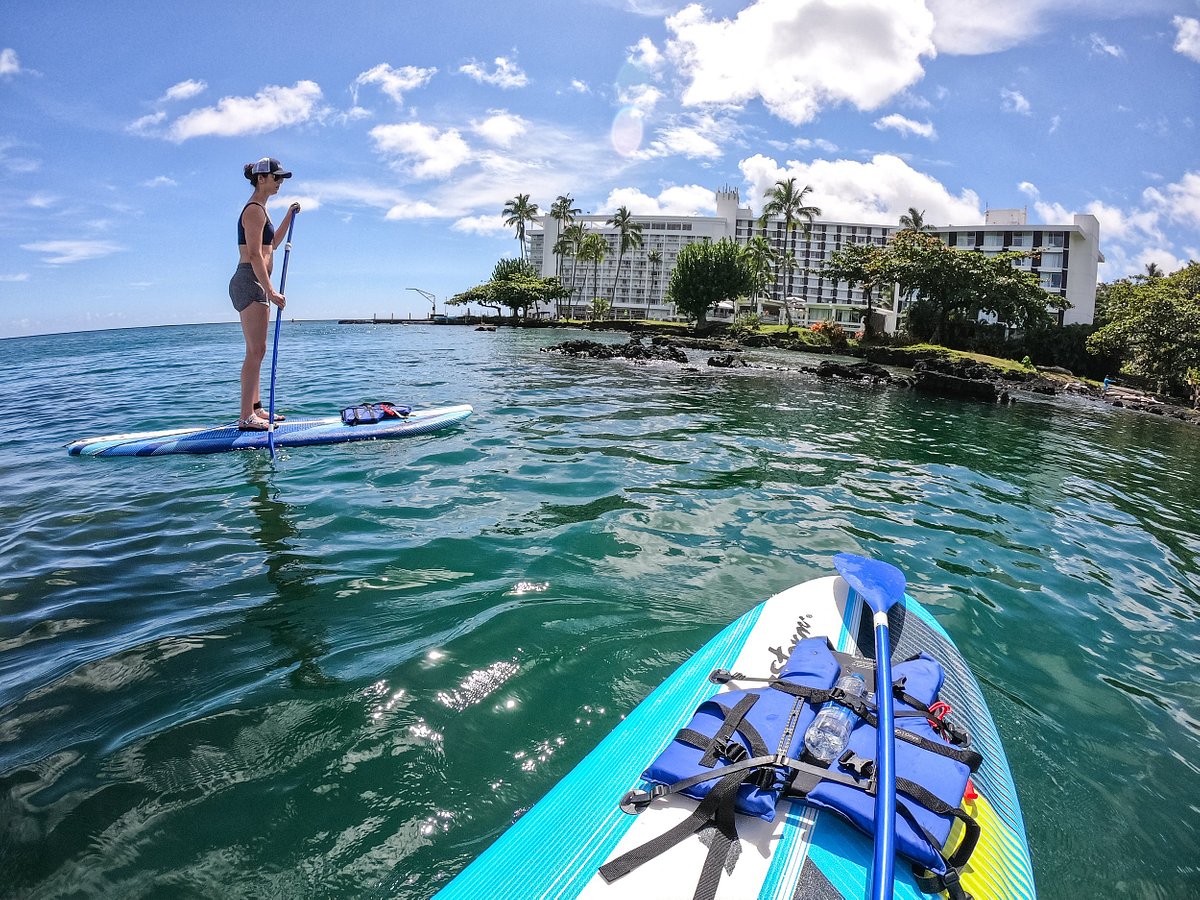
(124, 128)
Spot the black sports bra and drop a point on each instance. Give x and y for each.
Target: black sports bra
(268, 229)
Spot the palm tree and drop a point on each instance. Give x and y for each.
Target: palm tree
(563, 212)
(564, 246)
(629, 234)
(592, 249)
(517, 212)
(1153, 271)
(915, 221)
(575, 233)
(762, 263)
(784, 200)
(654, 257)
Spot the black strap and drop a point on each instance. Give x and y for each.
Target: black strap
(733, 722)
(717, 808)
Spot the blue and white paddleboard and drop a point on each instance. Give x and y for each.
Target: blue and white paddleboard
(555, 849)
(301, 433)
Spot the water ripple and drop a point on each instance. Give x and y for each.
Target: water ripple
(345, 673)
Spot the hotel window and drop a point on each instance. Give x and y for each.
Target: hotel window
(1051, 259)
(993, 240)
(1022, 239)
(1053, 239)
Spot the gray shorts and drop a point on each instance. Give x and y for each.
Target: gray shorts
(244, 288)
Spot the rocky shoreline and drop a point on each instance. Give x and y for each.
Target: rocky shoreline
(933, 373)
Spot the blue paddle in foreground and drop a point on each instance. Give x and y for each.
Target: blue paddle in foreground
(881, 586)
(287, 251)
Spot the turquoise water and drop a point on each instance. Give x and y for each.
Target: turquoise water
(342, 675)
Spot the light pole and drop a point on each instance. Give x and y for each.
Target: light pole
(428, 296)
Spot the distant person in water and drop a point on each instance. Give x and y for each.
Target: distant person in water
(250, 288)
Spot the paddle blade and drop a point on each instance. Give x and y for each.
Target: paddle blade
(880, 584)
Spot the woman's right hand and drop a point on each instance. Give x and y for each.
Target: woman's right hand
(277, 298)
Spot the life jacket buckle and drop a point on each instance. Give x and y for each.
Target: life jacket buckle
(859, 766)
(720, 676)
(764, 779)
(735, 752)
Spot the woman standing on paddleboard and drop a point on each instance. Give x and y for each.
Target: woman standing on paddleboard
(250, 288)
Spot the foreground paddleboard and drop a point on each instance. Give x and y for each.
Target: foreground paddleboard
(300, 433)
(555, 849)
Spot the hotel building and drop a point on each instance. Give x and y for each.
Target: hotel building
(1069, 255)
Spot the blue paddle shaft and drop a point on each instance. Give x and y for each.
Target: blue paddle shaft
(881, 586)
(287, 252)
(885, 795)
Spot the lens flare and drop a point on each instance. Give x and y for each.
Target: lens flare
(627, 129)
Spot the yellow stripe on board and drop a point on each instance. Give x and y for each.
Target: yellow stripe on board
(998, 869)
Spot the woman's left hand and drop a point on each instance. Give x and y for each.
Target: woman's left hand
(295, 208)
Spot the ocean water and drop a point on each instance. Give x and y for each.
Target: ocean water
(343, 674)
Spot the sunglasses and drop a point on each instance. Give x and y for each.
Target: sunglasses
(279, 177)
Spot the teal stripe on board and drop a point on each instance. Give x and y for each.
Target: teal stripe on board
(522, 863)
(844, 857)
(787, 860)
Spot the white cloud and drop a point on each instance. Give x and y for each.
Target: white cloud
(1187, 37)
(799, 56)
(281, 202)
(507, 73)
(646, 56)
(43, 200)
(160, 181)
(427, 152)
(17, 165)
(62, 252)
(879, 191)
(642, 97)
(906, 126)
(1014, 102)
(691, 142)
(9, 63)
(394, 82)
(678, 200)
(147, 125)
(271, 108)
(416, 209)
(184, 90)
(967, 28)
(580, 87)
(15, 278)
(1180, 202)
(816, 143)
(1101, 47)
(695, 136)
(1055, 121)
(500, 127)
(488, 225)
(1122, 226)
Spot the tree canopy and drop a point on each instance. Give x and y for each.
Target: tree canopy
(1153, 325)
(706, 273)
(949, 286)
(515, 285)
(871, 267)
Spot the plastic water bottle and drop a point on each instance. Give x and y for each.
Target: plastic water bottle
(829, 732)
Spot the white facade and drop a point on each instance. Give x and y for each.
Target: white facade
(1066, 257)
(1069, 255)
(642, 288)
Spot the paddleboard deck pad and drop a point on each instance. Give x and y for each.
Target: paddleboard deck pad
(300, 433)
(556, 848)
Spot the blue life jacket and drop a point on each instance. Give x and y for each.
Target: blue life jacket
(743, 751)
(370, 413)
